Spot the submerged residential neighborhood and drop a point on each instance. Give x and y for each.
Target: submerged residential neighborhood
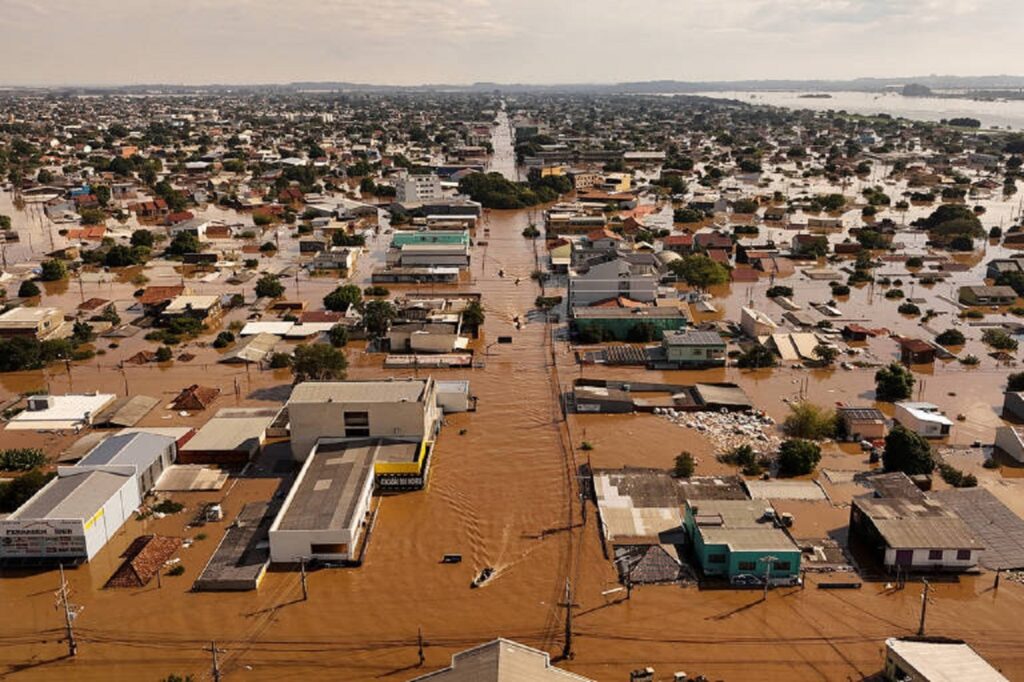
(478, 384)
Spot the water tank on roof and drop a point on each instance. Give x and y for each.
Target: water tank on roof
(40, 402)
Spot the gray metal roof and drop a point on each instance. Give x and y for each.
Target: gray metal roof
(255, 349)
(328, 489)
(693, 337)
(721, 394)
(400, 390)
(993, 522)
(228, 433)
(126, 411)
(76, 495)
(138, 449)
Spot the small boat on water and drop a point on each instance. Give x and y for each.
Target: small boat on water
(484, 576)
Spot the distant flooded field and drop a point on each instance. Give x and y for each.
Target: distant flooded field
(1005, 114)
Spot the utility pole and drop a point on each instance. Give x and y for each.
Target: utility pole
(924, 608)
(419, 644)
(768, 561)
(70, 612)
(302, 572)
(216, 666)
(567, 652)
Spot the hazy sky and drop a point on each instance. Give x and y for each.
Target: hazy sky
(527, 41)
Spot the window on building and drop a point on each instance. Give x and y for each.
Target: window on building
(357, 424)
(934, 554)
(333, 548)
(747, 565)
(716, 558)
(780, 566)
(963, 554)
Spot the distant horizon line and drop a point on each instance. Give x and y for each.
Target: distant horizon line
(933, 80)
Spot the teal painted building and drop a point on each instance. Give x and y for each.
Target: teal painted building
(628, 324)
(418, 237)
(734, 537)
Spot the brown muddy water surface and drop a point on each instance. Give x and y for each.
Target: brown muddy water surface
(503, 494)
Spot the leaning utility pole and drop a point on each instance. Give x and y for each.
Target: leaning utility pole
(567, 652)
(69, 614)
(302, 571)
(924, 608)
(216, 666)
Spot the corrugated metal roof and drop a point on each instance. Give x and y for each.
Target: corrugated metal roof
(138, 449)
(230, 433)
(74, 495)
(126, 411)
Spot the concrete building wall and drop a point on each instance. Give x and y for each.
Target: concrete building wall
(922, 559)
(109, 519)
(602, 282)
(1010, 442)
(922, 427)
(312, 421)
(695, 355)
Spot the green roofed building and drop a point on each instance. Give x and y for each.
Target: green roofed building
(450, 237)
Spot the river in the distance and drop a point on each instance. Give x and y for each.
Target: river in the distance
(1002, 114)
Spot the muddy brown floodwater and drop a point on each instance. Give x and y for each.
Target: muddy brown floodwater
(503, 492)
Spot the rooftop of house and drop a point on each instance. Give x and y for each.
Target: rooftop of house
(694, 337)
(741, 525)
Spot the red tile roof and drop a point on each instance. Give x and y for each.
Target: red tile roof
(153, 295)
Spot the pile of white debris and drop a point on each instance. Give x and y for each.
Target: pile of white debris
(727, 430)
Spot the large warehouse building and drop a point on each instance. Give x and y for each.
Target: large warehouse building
(72, 517)
(322, 517)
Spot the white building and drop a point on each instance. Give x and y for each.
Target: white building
(196, 226)
(148, 455)
(41, 323)
(908, 531)
(401, 408)
(919, 659)
(417, 188)
(73, 516)
(924, 419)
(324, 515)
(501, 660)
(755, 324)
(1010, 439)
(632, 277)
(70, 411)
